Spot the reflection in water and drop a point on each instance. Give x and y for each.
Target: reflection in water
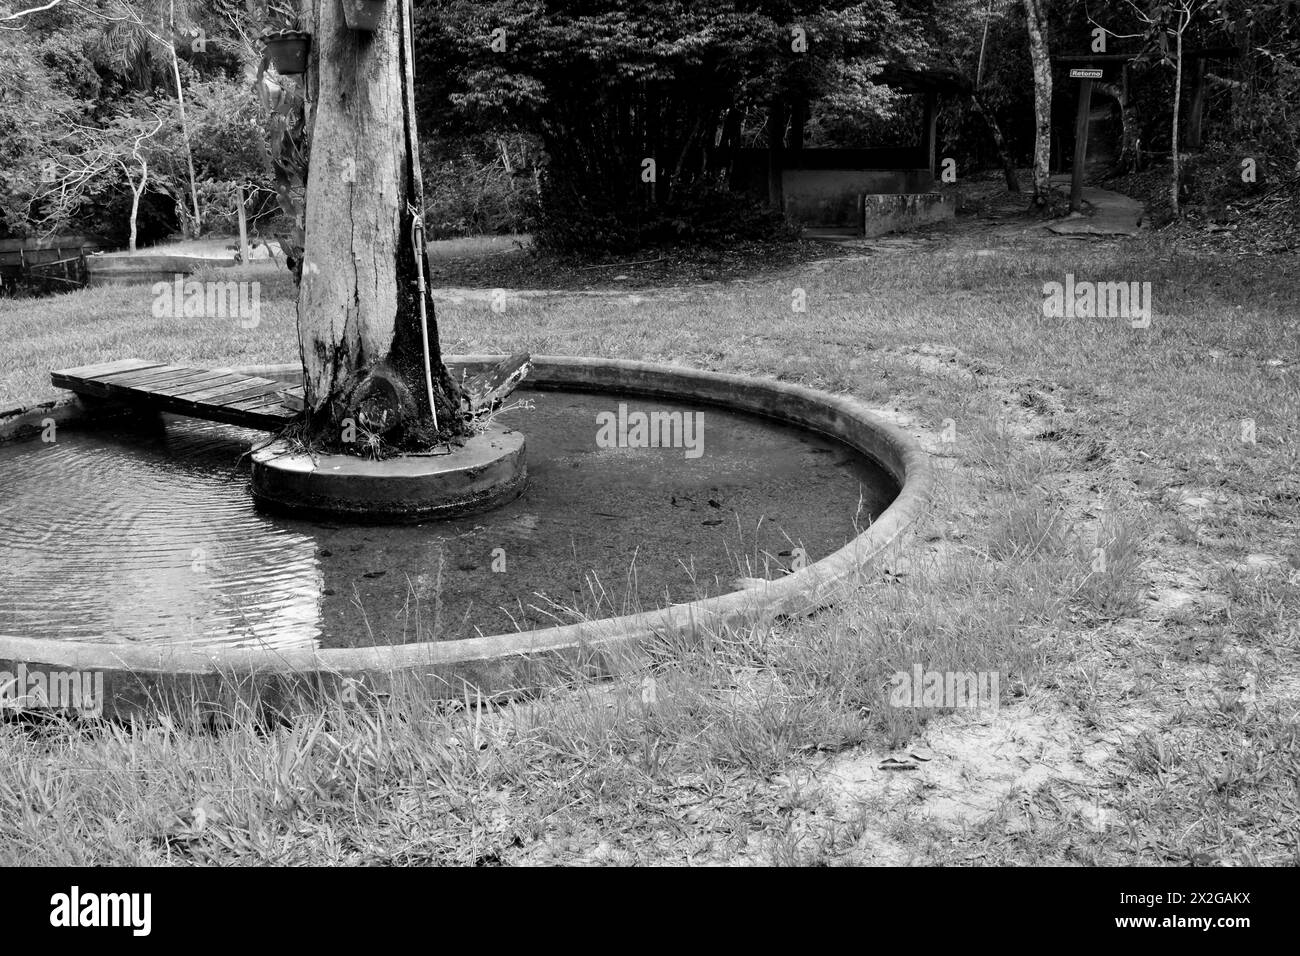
(131, 534)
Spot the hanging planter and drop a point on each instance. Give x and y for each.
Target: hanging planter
(287, 51)
(363, 15)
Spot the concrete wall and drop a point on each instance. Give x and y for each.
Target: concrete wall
(833, 197)
(895, 213)
(146, 269)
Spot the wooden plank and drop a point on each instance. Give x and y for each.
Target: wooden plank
(116, 377)
(253, 402)
(233, 414)
(218, 389)
(188, 377)
(106, 368)
(258, 420)
(266, 402)
(110, 368)
(217, 380)
(113, 387)
(223, 414)
(270, 412)
(229, 395)
(220, 396)
(193, 379)
(234, 393)
(132, 379)
(277, 414)
(81, 386)
(189, 385)
(488, 390)
(220, 413)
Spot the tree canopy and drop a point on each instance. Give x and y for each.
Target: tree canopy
(600, 124)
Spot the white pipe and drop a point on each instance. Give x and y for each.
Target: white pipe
(417, 246)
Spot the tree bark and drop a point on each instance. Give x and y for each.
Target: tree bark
(359, 315)
(1036, 19)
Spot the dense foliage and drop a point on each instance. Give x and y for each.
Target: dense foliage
(89, 107)
(641, 106)
(606, 124)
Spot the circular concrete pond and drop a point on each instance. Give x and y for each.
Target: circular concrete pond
(659, 500)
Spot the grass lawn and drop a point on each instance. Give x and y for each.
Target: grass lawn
(1116, 537)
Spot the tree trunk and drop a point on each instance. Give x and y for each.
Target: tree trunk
(984, 42)
(1176, 166)
(929, 131)
(1127, 120)
(1036, 18)
(185, 126)
(775, 154)
(359, 302)
(675, 182)
(999, 141)
(136, 193)
(1196, 104)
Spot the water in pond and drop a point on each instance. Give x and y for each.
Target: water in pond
(149, 534)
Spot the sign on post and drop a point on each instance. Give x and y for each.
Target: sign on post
(1085, 75)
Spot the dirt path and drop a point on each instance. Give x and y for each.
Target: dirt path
(1109, 214)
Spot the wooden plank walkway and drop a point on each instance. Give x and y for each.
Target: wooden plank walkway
(226, 397)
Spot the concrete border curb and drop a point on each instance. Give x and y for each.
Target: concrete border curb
(137, 677)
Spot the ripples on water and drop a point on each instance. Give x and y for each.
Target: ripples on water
(131, 534)
(124, 536)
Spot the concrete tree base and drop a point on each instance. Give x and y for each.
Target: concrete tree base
(487, 471)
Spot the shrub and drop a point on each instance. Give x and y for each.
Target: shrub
(703, 212)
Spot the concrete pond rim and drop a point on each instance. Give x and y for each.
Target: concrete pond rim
(500, 665)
